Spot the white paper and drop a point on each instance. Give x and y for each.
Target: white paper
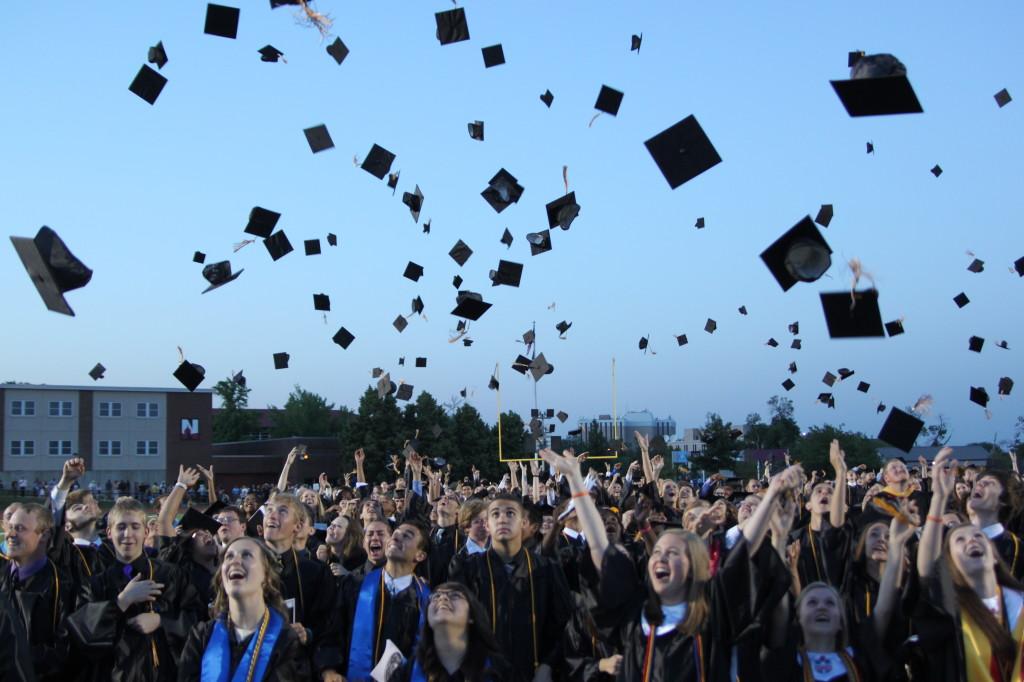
(390, 664)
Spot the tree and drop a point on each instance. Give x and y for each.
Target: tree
(938, 434)
(597, 444)
(233, 422)
(378, 429)
(721, 444)
(305, 414)
(472, 444)
(755, 432)
(812, 449)
(516, 442)
(783, 431)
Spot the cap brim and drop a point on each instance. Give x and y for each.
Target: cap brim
(863, 320)
(232, 278)
(877, 96)
(41, 275)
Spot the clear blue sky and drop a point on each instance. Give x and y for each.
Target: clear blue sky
(135, 189)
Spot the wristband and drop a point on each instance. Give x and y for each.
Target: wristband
(582, 493)
(936, 519)
(181, 485)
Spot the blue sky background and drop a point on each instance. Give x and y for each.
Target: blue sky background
(135, 189)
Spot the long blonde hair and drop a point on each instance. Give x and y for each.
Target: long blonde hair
(696, 597)
(271, 585)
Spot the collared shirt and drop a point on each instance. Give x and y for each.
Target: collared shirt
(396, 585)
(82, 542)
(671, 616)
(473, 548)
(23, 573)
(993, 531)
(573, 535)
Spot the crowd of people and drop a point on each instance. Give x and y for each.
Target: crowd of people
(558, 572)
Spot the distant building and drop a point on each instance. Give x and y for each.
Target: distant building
(691, 443)
(964, 454)
(630, 422)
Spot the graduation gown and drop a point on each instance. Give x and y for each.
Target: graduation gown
(824, 554)
(1010, 548)
(118, 652)
(15, 654)
(178, 551)
(308, 586)
(528, 626)
(287, 661)
(584, 648)
(444, 544)
(786, 665)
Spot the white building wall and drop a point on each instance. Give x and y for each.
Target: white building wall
(40, 429)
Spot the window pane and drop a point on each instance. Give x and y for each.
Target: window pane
(65, 408)
(28, 447)
(153, 410)
(153, 448)
(115, 409)
(15, 447)
(54, 409)
(15, 408)
(140, 410)
(115, 447)
(66, 448)
(54, 447)
(30, 408)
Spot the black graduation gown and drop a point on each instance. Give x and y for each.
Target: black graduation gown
(785, 665)
(287, 663)
(519, 620)
(178, 551)
(1010, 549)
(823, 554)
(15, 654)
(444, 544)
(311, 584)
(121, 654)
(584, 647)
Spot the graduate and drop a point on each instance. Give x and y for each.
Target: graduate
(446, 538)
(142, 608)
(342, 551)
(824, 541)
(990, 505)
(456, 644)
(15, 654)
(898, 486)
(81, 516)
(249, 632)
(194, 550)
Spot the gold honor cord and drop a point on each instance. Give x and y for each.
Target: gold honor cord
(259, 645)
(85, 563)
(56, 596)
(533, 602)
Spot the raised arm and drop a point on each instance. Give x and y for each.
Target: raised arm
(282, 481)
(756, 526)
(568, 465)
(943, 480)
(187, 478)
(360, 457)
(535, 487)
(837, 513)
(901, 529)
(645, 455)
(211, 487)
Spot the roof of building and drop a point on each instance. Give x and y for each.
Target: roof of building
(963, 453)
(98, 387)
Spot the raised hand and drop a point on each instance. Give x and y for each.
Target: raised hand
(73, 469)
(944, 473)
(657, 463)
(324, 482)
(138, 591)
(567, 464)
(535, 468)
(837, 457)
(642, 441)
(187, 476)
(360, 457)
(207, 473)
(293, 454)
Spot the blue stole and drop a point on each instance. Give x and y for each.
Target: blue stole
(362, 651)
(216, 665)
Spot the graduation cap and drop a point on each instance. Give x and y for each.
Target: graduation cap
(643, 343)
(796, 344)
(792, 368)
(414, 200)
(699, 224)
(794, 328)
(460, 253)
(196, 520)
(508, 273)
(312, 247)
(262, 221)
(97, 372)
(975, 343)
(529, 336)
(894, 328)
(539, 366)
(378, 162)
(343, 338)
(463, 392)
(148, 84)
(476, 130)
(318, 138)
(1004, 345)
(1005, 385)
(452, 26)
(502, 191)
(562, 211)
(1003, 98)
(400, 323)
(337, 50)
(540, 242)
(936, 170)
(608, 100)
(506, 239)
(158, 55)
(634, 42)
(681, 339)
(788, 384)
(870, 147)
(269, 53)
(743, 310)
(979, 396)
(547, 98)
(321, 302)
(278, 245)
(845, 373)
(799, 255)
(561, 416)
(239, 378)
(824, 216)
(493, 56)
(827, 399)
(1018, 265)
(417, 306)
(863, 387)
(521, 364)
(426, 227)
(976, 266)
(52, 267)
(961, 300)
(493, 383)
(332, 239)
(852, 315)
(772, 342)
(563, 327)
(199, 257)
(829, 379)
(221, 21)
(900, 429)
(404, 392)
(190, 375)
(456, 281)
(710, 326)
(219, 274)
(413, 271)
(393, 182)
(281, 360)
(421, 362)
(385, 386)
(682, 152)
(878, 86)
(470, 305)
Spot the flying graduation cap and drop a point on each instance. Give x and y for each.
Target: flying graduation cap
(799, 255)
(682, 151)
(148, 84)
(221, 21)
(52, 267)
(502, 191)
(157, 55)
(452, 26)
(878, 86)
(99, 370)
(219, 274)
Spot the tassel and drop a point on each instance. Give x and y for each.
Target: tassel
(241, 245)
(565, 176)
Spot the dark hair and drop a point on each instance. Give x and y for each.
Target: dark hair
(271, 588)
(231, 509)
(506, 497)
(424, 533)
(1009, 499)
(481, 646)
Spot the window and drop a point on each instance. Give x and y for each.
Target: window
(22, 448)
(60, 408)
(151, 410)
(60, 448)
(23, 408)
(146, 448)
(109, 448)
(110, 409)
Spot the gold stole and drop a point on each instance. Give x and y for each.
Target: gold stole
(978, 651)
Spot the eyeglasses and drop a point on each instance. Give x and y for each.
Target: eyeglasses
(451, 596)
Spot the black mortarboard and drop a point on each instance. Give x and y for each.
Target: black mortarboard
(608, 100)
(792, 368)
(1003, 344)
(894, 328)
(452, 26)
(476, 130)
(463, 392)
(321, 302)
(456, 281)
(682, 152)
(278, 245)
(827, 399)
(852, 316)
(493, 56)
(269, 53)
(393, 183)
(854, 57)
(426, 227)
(508, 273)
(979, 395)
(829, 379)
(529, 336)
(413, 271)
(539, 366)
(193, 519)
(788, 384)
(961, 300)
(219, 274)
(824, 216)
(1003, 98)
(239, 378)
(936, 170)
(772, 342)
(845, 373)
(710, 326)
(878, 86)
(699, 224)
(262, 221)
(421, 362)
(540, 242)
(742, 310)
(794, 328)
(148, 84)
(414, 200)
(400, 323)
(562, 211)
(799, 255)
(563, 327)
(976, 266)
(1005, 385)
(460, 253)
(880, 408)
(634, 42)
(795, 345)
(506, 239)
(470, 305)
(404, 392)
(281, 360)
(1018, 265)
(870, 147)
(337, 50)
(221, 21)
(521, 364)
(502, 191)
(190, 375)
(975, 343)
(681, 339)
(318, 138)
(97, 372)
(493, 383)
(343, 338)
(643, 343)
(52, 267)
(900, 429)
(547, 98)
(199, 257)
(378, 162)
(561, 416)
(158, 55)
(332, 239)
(863, 387)
(312, 247)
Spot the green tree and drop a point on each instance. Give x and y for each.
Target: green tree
(938, 434)
(516, 442)
(783, 431)
(234, 421)
(721, 445)
(812, 449)
(596, 444)
(378, 428)
(304, 414)
(473, 444)
(755, 432)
